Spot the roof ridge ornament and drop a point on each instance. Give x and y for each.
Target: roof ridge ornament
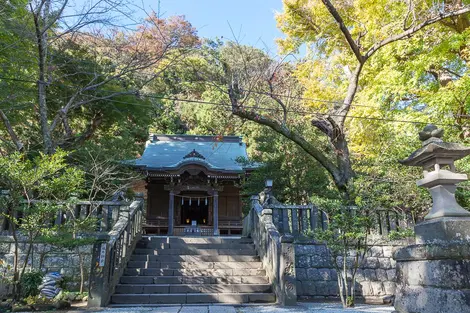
(194, 154)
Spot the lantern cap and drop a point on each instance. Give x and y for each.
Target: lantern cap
(435, 150)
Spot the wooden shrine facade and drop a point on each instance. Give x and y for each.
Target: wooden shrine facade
(193, 185)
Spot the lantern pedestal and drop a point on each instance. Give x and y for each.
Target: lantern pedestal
(432, 276)
(443, 229)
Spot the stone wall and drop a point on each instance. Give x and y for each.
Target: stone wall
(316, 277)
(54, 260)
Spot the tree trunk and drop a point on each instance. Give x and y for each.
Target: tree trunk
(345, 281)
(28, 253)
(82, 271)
(339, 276)
(352, 300)
(15, 263)
(41, 38)
(345, 172)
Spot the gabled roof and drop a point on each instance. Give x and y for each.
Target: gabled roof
(170, 152)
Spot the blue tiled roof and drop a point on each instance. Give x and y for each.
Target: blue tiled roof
(166, 152)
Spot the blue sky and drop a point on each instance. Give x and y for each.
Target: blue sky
(252, 21)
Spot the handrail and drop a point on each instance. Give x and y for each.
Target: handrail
(111, 253)
(276, 252)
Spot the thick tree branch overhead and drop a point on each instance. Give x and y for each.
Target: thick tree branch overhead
(344, 29)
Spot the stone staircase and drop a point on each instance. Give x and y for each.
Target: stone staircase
(189, 270)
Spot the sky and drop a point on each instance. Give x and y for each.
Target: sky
(252, 21)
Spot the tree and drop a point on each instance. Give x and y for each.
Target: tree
(346, 37)
(347, 240)
(87, 68)
(46, 178)
(296, 176)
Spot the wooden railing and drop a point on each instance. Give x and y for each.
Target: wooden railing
(202, 231)
(159, 226)
(111, 253)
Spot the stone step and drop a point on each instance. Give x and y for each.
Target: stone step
(195, 265)
(193, 280)
(159, 245)
(195, 258)
(198, 288)
(193, 272)
(189, 251)
(192, 298)
(196, 240)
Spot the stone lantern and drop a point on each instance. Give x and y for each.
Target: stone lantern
(432, 275)
(447, 220)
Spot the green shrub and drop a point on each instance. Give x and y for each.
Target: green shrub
(32, 300)
(401, 234)
(29, 283)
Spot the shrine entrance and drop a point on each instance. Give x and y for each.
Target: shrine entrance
(195, 210)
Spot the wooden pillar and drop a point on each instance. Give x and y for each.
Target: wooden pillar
(216, 213)
(171, 213)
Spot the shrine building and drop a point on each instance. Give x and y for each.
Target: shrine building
(193, 184)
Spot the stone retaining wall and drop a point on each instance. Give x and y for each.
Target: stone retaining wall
(316, 277)
(54, 260)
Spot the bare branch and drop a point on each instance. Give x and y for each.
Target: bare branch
(57, 16)
(275, 98)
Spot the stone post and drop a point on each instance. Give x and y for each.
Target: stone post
(216, 213)
(287, 272)
(98, 286)
(171, 213)
(432, 276)
(253, 200)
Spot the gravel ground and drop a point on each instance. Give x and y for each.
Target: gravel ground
(302, 307)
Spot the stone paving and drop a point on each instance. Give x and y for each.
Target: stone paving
(300, 308)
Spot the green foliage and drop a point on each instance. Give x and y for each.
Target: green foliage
(5, 272)
(71, 235)
(71, 296)
(401, 234)
(29, 284)
(44, 177)
(296, 175)
(391, 186)
(347, 231)
(35, 187)
(32, 300)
